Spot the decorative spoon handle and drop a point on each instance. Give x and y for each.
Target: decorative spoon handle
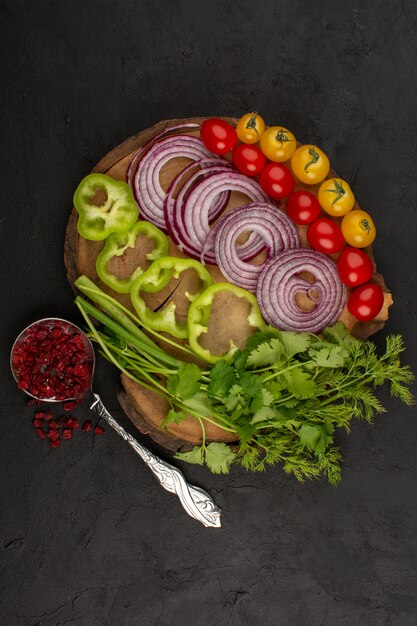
(195, 501)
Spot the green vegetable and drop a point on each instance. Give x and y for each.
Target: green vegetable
(117, 244)
(115, 213)
(156, 278)
(284, 396)
(199, 314)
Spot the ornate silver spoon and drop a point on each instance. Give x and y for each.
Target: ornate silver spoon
(195, 501)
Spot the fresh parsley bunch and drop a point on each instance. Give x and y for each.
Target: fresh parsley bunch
(285, 395)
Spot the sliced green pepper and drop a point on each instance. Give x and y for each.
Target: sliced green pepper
(117, 244)
(156, 278)
(117, 213)
(199, 314)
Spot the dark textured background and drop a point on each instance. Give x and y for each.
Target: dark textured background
(87, 536)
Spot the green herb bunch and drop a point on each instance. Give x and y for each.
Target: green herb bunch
(283, 396)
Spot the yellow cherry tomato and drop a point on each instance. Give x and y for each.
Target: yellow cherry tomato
(336, 197)
(250, 128)
(310, 164)
(358, 228)
(278, 144)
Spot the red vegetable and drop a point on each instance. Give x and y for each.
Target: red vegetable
(355, 267)
(143, 149)
(276, 180)
(325, 236)
(146, 183)
(365, 302)
(218, 136)
(190, 214)
(248, 159)
(303, 207)
(274, 227)
(280, 282)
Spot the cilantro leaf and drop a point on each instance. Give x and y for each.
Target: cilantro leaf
(264, 414)
(173, 417)
(219, 457)
(194, 456)
(267, 397)
(295, 343)
(186, 382)
(200, 403)
(275, 388)
(338, 333)
(300, 384)
(222, 377)
(250, 384)
(316, 437)
(266, 353)
(332, 356)
(239, 359)
(234, 398)
(254, 340)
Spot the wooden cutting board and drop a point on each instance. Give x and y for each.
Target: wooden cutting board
(145, 408)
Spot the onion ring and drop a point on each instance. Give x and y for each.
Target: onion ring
(279, 282)
(274, 227)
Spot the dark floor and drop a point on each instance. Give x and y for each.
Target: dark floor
(87, 536)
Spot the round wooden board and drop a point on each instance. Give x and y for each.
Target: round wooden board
(145, 408)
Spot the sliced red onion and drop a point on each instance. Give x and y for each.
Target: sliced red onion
(191, 213)
(273, 226)
(173, 205)
(163, 133)
(146, 184)
(279, 283)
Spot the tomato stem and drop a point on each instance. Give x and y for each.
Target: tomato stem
(338, 190)
(282, 137)
(314, 158)
(252, 122)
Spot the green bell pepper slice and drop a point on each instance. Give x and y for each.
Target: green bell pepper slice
(116, 214)
(199, 315)
(156, 278)
(117, 244)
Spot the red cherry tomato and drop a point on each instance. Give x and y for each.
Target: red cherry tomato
(218, 136)
(276, 180)
(355, 267)
(365, 302)
(248, 159)
(303, 207)
(325, 236)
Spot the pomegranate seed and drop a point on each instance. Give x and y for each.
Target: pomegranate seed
(69, 405)
(48, 415)
(54, 443)
(99, 430)
(46, 359)
(53, 425)
(53, 435)
(74, 424)
(38, 423)
(39, 415)
(67, 433)
(41, 433)
(87, 426)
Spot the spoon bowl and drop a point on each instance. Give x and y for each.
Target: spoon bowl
(66, 327)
